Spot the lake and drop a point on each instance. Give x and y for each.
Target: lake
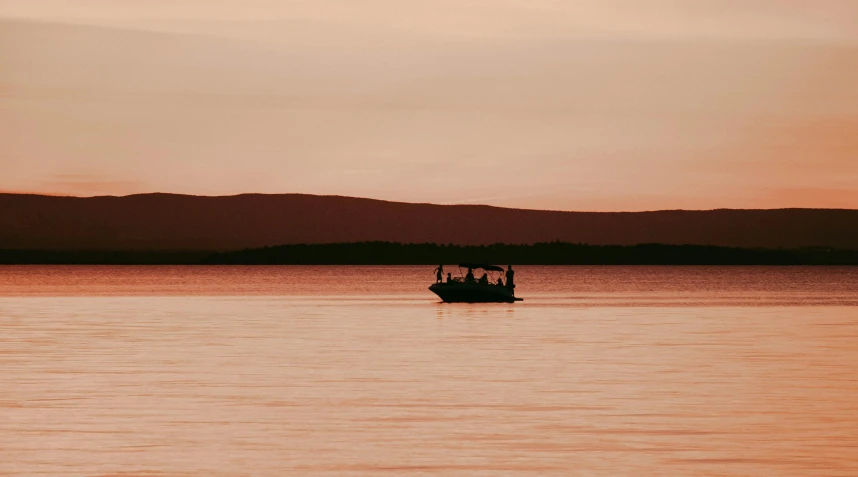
(354, 371)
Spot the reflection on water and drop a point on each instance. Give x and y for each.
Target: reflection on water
(268, 371)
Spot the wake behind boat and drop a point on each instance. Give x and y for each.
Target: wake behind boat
(489, 288)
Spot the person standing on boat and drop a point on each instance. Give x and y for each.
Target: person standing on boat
(439, 274)
(510, 273)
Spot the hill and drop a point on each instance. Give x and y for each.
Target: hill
(182, 222)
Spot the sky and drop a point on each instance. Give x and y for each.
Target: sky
(603, 105)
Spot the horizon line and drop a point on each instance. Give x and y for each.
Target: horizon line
(69, 196)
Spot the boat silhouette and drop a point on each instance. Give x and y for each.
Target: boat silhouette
(468, 289)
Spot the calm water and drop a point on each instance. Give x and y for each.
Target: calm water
(347, 371)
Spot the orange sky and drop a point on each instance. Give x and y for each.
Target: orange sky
(574, 105)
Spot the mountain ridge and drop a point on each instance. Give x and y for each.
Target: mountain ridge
(164, 221)
(372, 199)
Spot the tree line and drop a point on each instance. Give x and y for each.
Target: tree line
(393, 253)
(548, 253)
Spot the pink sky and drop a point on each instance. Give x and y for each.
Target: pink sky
(578, 105)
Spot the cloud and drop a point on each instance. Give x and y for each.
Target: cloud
(278, 20)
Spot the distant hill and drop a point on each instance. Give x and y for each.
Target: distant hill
(390, 253)
(182, 222)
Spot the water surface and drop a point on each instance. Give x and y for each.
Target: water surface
(267, 371)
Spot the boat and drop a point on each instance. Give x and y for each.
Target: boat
(467, 289)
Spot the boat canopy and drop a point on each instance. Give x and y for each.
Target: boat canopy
(489, 268)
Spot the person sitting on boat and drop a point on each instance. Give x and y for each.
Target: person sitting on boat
(439, 274)
(510, 274)
(484, 279)
(470, 275)
(449, 277)
(500, 281)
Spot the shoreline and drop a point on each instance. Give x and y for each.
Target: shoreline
(392, 253)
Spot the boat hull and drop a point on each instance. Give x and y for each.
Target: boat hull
(457, 292)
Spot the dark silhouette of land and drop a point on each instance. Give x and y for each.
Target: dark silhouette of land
(390, 253)
(552, 253)
(166, 222)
